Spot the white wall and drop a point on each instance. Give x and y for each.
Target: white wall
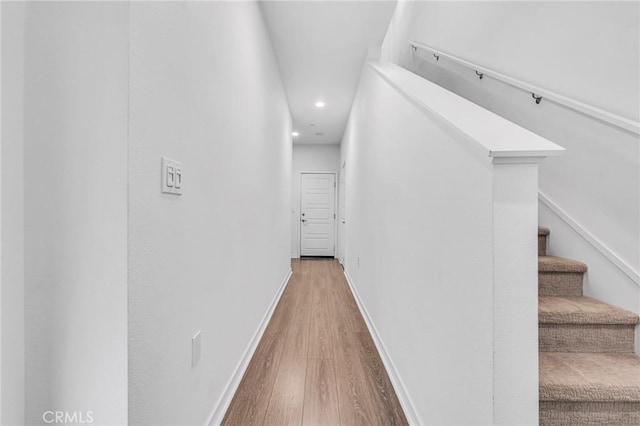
(308, 158)
(204, 90)
(589, 51)
(75, 209)
(565, 47)
(432, 272)
(12, 263)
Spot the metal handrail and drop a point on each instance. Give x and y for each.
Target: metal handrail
(537, 93)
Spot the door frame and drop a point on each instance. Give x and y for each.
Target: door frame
(335, 206)
(342, 202)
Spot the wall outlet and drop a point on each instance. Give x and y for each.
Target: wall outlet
(195, 348)
(171, 176)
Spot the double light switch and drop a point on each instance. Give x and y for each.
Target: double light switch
(171, 176)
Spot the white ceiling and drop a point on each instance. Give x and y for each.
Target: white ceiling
(321, 47)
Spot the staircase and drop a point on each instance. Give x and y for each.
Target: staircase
(589, 371)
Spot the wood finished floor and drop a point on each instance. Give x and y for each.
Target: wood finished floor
(316, 363)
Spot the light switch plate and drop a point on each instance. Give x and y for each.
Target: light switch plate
(172, 176)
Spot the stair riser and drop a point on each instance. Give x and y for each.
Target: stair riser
(560, 283)
(554, 413)
(586, 338)
(542, 245)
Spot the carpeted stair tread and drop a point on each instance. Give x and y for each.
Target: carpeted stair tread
(581, 310)
(560, 264)
(589, 377)
(543, 233)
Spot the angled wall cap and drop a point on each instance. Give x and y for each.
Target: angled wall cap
(494, 136)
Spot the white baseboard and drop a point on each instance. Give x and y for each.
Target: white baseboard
(396, 381)
(221, 407)
(591, 239)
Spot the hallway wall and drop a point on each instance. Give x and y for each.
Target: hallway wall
(564, 47)
(589, 51)
(308, 158)
(205, 91)
(420, 258)
(12, 227)
(75, 210)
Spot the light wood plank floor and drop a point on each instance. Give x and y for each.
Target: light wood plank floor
(316, 363)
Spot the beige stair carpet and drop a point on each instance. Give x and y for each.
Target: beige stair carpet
(589, 372)
(589, 377)
(584, 324)
(558, 276)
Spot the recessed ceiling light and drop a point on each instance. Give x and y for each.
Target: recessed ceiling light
(294, 134)
(320, 104)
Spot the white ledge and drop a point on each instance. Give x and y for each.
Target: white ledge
(494, 135)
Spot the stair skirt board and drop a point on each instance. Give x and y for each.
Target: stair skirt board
(605, 251)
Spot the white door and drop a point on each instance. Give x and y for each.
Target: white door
(317, 214)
